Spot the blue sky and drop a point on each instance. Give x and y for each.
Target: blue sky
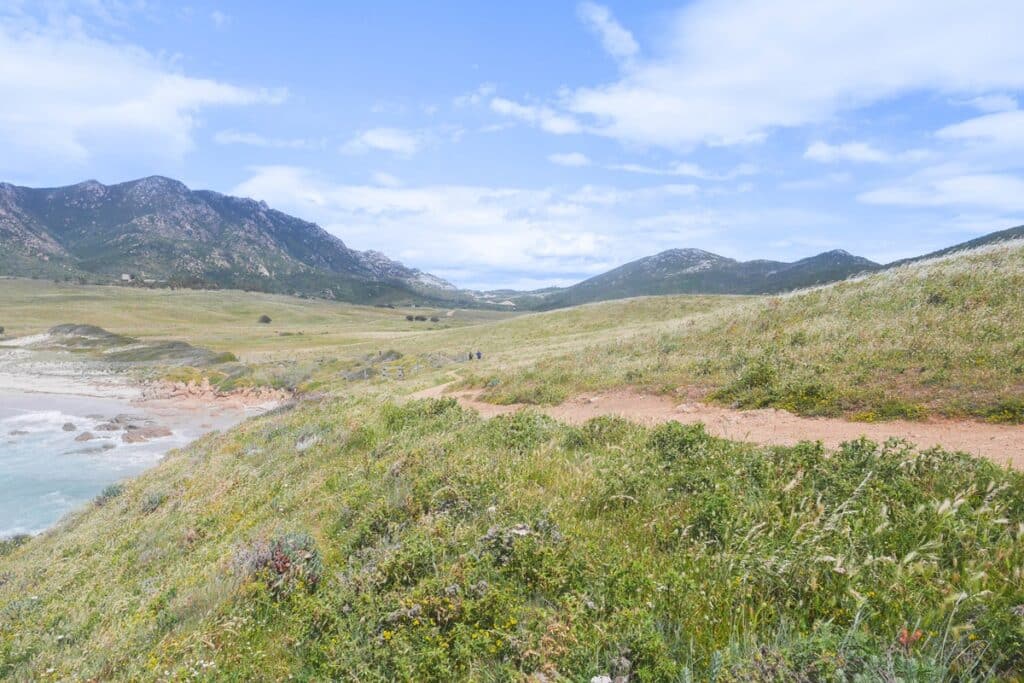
(535, 143)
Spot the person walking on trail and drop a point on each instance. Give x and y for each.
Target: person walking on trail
(479, 355)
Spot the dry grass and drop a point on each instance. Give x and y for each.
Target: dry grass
(942, 337)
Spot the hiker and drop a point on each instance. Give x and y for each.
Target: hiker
(479, 355)
(471, 355)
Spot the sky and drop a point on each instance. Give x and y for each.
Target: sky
(540, 142)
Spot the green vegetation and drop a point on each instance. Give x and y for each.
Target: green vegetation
(940, 337)
(353, 537)
(419, 542)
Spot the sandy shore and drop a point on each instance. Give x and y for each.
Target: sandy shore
(70, 426)
(190, 409)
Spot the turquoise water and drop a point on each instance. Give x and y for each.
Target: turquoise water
(45, 473)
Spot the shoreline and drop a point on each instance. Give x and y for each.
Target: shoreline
(71, 428)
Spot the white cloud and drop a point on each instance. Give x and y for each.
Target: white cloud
(235, 137)
(570, 159)
(475, 97)
(991, 191)
(860, 152)
(686, 169)
(732, 72)
(489, 236)
(617, 41)
(68, 96)
(818, 182)
(386, 179)
(544, 117)
(1003, 128)
(395, 140)
(993, 103)
(219, 19)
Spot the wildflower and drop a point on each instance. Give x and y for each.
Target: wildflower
(908, 638)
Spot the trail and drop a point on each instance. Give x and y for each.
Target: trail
(1003, 444)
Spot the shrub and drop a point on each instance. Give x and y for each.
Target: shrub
(265, 319)
(410, 318)
(673, 440)
(7, 545)
(433, 319)
(284, 562)
(1008, 411)
(421, 318)
(153, 501)
(108, 494)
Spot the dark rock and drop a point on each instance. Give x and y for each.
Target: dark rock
(69, 427)
(143, 434)
(17, 432)
(108, 427)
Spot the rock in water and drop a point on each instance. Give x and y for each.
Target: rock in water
(69, 427)
(144, 434)
(85, 436)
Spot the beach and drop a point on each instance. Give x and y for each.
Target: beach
(69, 429)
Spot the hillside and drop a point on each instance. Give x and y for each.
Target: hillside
(937, 337)
(156, 229)
(693, 271)
(361, 536)
(985, 240)
(419, 542)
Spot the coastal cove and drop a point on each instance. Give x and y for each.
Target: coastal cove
(58, 451)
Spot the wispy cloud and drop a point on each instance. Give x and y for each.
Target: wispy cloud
(475, 97)
(576, 159)
(1004, 128)
(235, 137)
(617, 41)
(488, 235)
(993, 103)
(723, 79)
(69, 96)
(992, 191)
(685, 169)
(394, 140)
(544, 117)
(860, 152)
(219, 19)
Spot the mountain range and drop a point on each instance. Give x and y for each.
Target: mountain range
(156, 231)
(159, 231)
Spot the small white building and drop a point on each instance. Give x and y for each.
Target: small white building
(126, 277)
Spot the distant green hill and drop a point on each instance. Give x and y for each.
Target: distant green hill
(157, 230)
(160, 233)
(693, 271)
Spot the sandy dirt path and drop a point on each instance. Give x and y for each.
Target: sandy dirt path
(1003, 444)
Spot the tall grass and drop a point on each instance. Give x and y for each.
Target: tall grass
(447, 547)
(940, 337)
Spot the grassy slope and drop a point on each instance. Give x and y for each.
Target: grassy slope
(634, 540)
(939, 337)
(220, 320)
(446, 547)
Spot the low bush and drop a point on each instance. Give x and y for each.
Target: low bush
(152, 502)
(8, 545)
(108, 494)
(284, 562)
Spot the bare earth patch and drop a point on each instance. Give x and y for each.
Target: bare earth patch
(1003, 444)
